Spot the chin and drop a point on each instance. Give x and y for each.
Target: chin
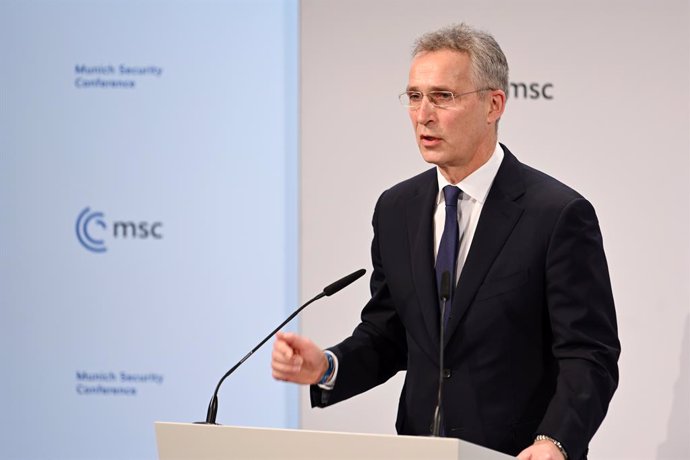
(432, 156)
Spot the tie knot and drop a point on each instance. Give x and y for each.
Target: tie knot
(451, 194)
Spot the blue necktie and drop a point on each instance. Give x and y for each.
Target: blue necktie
(446, 259)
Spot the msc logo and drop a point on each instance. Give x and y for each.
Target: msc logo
(92, 229)
(85, 222)
(533, 90)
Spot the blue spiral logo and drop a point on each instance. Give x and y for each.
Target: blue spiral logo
(85, 221)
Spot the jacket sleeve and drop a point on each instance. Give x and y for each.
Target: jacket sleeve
(377, 348)
(583, 323)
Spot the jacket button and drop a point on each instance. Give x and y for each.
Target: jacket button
(446, 373)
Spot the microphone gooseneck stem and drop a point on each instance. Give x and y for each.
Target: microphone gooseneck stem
(437, 413)
(213, 405)
(444, 295)
(327, 291)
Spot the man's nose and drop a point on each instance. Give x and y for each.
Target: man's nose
(425, 112)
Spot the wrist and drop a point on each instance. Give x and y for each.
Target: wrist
(330, 366)
(559, 446)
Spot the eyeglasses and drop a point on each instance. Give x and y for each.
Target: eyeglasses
(439, 99)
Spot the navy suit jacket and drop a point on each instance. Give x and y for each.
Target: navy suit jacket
(531, 346)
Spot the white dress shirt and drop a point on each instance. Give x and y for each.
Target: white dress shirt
(475, 188)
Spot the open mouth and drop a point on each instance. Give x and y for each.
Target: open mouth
(429, 140)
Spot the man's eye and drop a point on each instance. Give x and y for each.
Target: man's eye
(442, 96)
(414, 97)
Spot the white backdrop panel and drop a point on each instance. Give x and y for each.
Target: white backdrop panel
(614, 126)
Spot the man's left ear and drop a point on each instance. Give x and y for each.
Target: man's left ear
(497, 104)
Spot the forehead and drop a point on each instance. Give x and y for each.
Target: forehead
(440, 69)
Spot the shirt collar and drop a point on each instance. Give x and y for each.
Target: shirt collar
(477, 184)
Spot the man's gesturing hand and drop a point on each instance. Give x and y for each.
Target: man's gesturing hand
(541, 450)
(297, 359)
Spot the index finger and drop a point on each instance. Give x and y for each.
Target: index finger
(283, 347)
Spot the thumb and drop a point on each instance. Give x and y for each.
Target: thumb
(525, 455)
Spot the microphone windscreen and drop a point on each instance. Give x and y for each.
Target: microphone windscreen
(343, 282)
(445, 285)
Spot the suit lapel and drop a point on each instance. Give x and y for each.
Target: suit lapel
(419, 221)
(498, 218)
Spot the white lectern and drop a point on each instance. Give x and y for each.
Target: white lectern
(178, 441)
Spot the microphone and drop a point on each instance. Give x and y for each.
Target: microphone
(445, 295)
(343, 282)
(327, 291)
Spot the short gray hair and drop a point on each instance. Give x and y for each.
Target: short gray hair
(489, 64)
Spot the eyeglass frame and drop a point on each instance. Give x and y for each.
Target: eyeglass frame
(431, 101)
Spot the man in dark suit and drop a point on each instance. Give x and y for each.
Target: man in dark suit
(531, 344)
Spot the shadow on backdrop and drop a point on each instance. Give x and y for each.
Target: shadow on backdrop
(677, 443)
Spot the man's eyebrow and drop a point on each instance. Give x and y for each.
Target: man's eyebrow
(433, 88)
(440, 88)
